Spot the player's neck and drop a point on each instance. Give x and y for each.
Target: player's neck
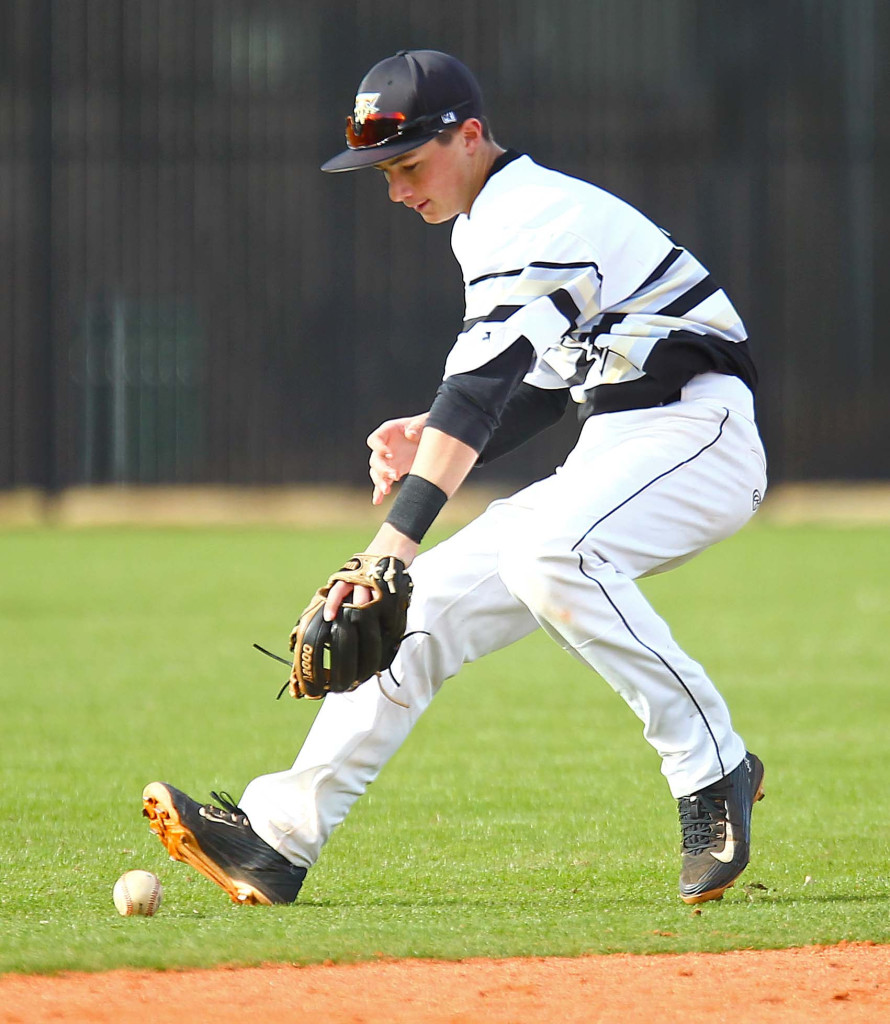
(488, 154)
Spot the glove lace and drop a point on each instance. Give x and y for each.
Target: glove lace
(276, 657)
(392, 674)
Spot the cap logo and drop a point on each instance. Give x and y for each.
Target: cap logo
(449, 118)
(365, 105)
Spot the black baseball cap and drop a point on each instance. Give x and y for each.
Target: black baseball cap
(403, 102)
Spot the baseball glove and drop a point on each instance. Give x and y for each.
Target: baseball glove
(334, 657)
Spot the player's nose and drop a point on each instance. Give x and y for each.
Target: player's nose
(398, 191)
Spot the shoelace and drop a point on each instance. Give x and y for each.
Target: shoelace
(702, 822)
(229, 811)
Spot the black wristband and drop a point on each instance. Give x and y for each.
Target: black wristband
(416, 506)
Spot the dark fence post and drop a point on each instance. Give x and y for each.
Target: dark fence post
(46, 373)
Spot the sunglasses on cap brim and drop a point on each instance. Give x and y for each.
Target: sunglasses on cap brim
(378, 128)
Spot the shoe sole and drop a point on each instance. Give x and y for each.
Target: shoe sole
(717, 894)
(181, 844)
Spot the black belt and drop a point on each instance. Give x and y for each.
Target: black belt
(643, 393)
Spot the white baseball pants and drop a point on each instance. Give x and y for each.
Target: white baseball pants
(641, 492)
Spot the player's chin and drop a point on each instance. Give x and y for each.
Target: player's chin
(435, 216)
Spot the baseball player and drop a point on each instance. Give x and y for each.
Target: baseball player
(572, 295)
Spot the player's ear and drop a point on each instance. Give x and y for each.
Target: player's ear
(471, 133)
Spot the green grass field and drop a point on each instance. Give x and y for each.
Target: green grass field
(525, 814)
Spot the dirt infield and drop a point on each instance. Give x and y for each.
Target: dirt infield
(849, 983)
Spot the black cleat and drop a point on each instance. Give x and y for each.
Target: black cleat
(220, 843)
(716, 827)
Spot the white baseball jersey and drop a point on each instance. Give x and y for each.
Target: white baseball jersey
(601, 292)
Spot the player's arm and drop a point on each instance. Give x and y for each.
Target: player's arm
(488, 408)
(458, 426)
(529, 410)
(440, 466)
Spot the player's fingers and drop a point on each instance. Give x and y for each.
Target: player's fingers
(382, 481)
(360, 596)
(415, 425)
(378, 440)
(381, 464)
(379, 448)
(381, 489)
(338, 593)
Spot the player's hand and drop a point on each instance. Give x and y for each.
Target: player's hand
(337, 657)
(388, 541)
(393, 447)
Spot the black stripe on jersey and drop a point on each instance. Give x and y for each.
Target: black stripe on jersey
(659, 271)
(543, 265)
(498, 315)
(565, 304)
(607, 322)
(690, 298)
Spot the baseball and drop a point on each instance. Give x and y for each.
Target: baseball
(137, 892)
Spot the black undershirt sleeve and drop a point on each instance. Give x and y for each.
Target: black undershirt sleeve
(469, 405)
(528, 411)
